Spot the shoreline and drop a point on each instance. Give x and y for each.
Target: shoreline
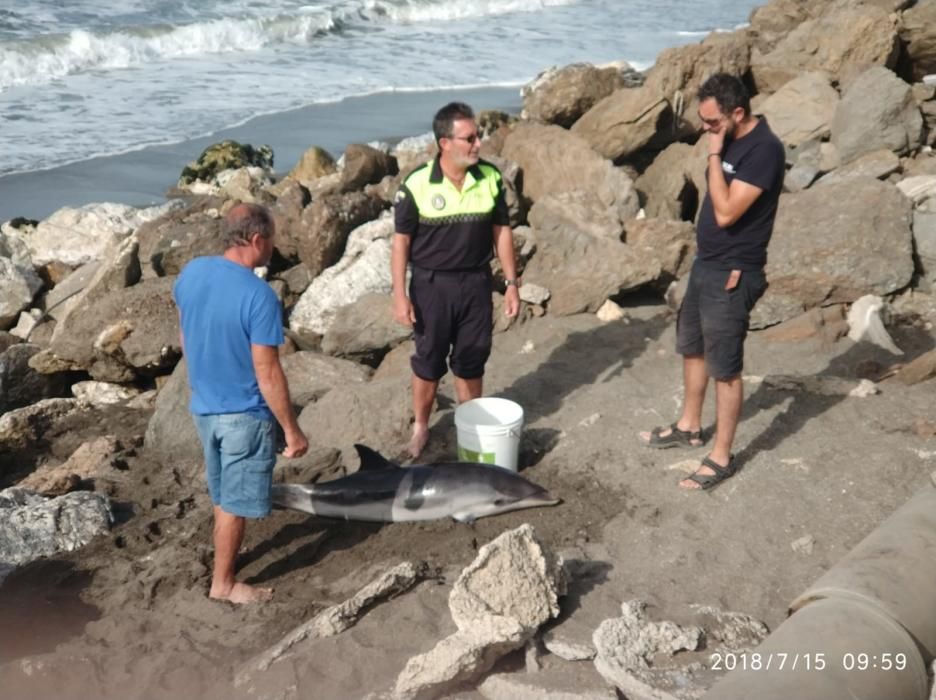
(142, 177)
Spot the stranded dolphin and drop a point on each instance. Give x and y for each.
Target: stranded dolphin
(383, 491)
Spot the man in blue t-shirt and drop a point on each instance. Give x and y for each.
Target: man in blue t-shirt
(745, 177)
(231, 328)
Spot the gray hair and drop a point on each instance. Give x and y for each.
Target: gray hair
(243, 221)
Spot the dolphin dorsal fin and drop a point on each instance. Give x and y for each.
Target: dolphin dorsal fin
(372, 460)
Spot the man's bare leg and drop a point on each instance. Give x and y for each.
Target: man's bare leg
(424, 393)
(228, 536)
(695, 382)
(729, 396)
(468, 389)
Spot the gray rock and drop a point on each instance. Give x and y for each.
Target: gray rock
(918, 32)
(18, 286)
(876, 111)
(552, 684)
(624, 122)
(562, 95)
(667, 186)
(806, 168)
(732, 630)
(312, 375)
(287, 215)
(24, 427)
(771, 22)
(57, 301)
(90, 461)
(364, 268)
(365, 330)
(834, 244)
(32, 526)
(170, 241)
(77, 236)
(498, 603)
(582, 211)
(103, 393)
(316, 162)
(843, 42)
(919, 189)
(328, 222)
(365, 165)
(20, 385)
(627, 646)
(678, 73)
(802, 109)
(581, 271)
(226, 155)
(124, 334)
(671, 243)
(555, 161)
(877, 164)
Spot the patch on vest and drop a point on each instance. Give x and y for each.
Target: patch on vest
(438, 201)
(400, 196)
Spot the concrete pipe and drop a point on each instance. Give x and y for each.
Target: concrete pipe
(894, 569)
(833, 649)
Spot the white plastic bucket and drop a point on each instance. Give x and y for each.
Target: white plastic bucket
(489, 431)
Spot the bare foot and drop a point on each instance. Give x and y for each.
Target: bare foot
(241, 593)
(418, 442)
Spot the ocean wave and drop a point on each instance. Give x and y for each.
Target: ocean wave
(50, 57)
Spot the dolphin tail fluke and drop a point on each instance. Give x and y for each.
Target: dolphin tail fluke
(372, 460)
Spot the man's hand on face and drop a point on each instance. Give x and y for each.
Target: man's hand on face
(716, 139)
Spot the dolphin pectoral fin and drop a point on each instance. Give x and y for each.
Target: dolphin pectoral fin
(467, 518)
(372, 460)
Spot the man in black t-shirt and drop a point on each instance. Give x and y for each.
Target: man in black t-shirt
(745, 176)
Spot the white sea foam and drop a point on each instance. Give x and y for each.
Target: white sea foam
(48, 57)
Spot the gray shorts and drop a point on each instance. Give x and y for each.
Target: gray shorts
(713, 321)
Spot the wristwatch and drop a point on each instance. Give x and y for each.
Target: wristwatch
(512, 283)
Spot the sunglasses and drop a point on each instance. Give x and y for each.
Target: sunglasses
(470, 140)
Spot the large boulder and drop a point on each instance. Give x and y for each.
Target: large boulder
(20, 385)
(32, 526)
(310, 376)
(123, 335)
(498, 604)
(76, 236)
(802, 110)
(580, 210)
(835, 244)
(625, 122)
(287, 216)
(771, 22)
(671, 243)
(170, 241)
(376, 414)
(562, 95)
(315, 163)
(18, 286)
(843, 42)
(365, 330)
(877, 111)
(554, 161)
(581, 271)
(877, 164)
(328, 222)
(365, 165)
(918, 32)
(25, 427)
(226, 155)
(679, 72)
(364, 268)
(666, 186)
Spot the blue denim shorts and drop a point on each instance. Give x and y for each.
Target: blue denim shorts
(240, 451)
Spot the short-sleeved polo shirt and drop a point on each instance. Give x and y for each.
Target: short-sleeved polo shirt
(451, 229)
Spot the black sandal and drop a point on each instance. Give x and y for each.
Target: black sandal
(676, 438)
(710, 481)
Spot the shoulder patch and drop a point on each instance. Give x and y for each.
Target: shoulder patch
(438, 202)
